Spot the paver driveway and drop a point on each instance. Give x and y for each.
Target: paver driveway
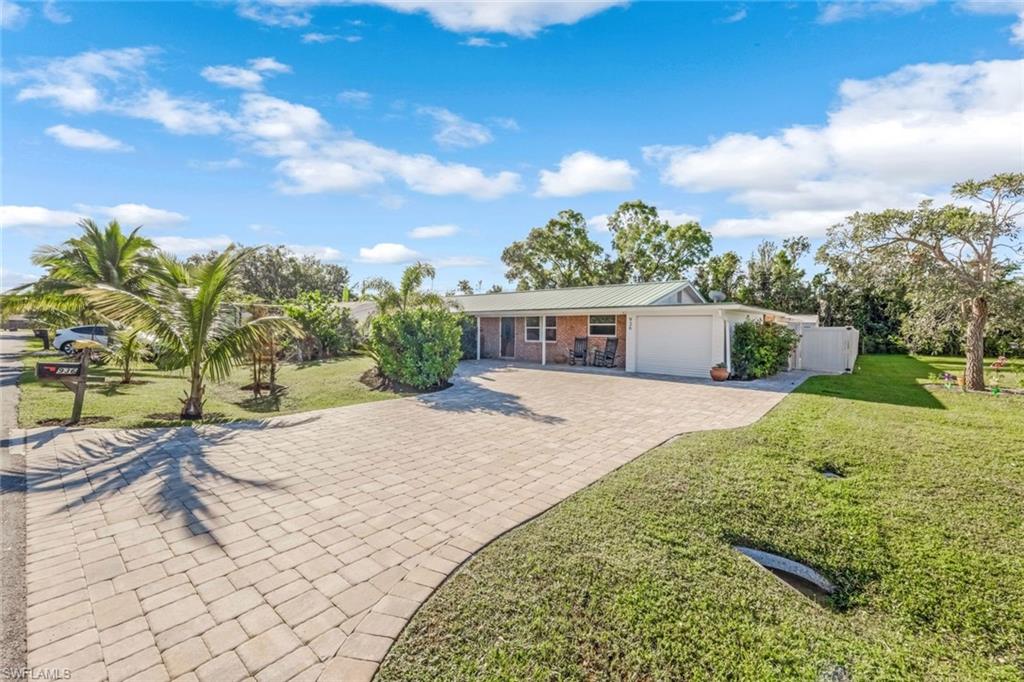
(297, 549)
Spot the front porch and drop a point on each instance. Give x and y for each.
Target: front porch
(519, 338)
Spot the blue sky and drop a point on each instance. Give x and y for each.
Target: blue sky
(341, 128)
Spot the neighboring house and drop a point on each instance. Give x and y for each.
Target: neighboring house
(360, 311)
(661, 327)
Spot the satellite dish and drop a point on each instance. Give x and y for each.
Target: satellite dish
(717, 296)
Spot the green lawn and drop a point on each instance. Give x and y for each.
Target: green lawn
(634, 578)
(153, 398)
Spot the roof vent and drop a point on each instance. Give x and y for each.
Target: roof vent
(717, 296)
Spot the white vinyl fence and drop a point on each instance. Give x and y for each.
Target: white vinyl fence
(827, 349)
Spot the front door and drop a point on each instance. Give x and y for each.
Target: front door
(508, 337)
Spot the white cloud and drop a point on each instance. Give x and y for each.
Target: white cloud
(216, 165)
(505, 122)
(433, 231)
(889, 142)
(73, 83)
(54, 14)
(454, 131)
(314, 175)
(352, 39)
(311, 155)
(583, 172)
(523, 18)
(35, 216)
(135, 214)
(86, 139)
(325, 253)
(738, 15)
(279, 127)
(353, 164)
(280, 14)
(478, 41)
(834, 12)
(1000, 7)
(233, 77)
(268, 65)
(179, 116)
(598, 223)
(250, 78)
(315, 37)
(12, 15)
(355, 98)
(459, 262)
(387, 253)
(185, 246)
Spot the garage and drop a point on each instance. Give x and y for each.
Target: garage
(670, 344)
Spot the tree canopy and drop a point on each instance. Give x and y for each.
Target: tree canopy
(275, 273)
(958, 260)
(559, 254)
(650, 249)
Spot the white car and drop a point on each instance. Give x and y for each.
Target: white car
(66, 337)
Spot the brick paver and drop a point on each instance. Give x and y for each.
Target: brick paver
(297, 548)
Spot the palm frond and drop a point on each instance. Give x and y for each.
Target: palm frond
(231, 348)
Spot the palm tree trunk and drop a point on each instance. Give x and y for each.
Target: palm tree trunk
(974, 372)
(193, 407)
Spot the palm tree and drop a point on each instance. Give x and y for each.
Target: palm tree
(126, 350)
(100, 255)
(187, 310)
(407, 294)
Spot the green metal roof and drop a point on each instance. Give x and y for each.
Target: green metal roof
(573, 298)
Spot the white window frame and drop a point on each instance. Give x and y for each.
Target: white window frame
(614, 323)
(542, 331)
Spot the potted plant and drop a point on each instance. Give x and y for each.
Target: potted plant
(720, 372)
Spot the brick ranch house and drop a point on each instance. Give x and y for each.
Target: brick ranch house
(661, 327)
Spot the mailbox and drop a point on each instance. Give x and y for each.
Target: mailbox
(56, 371)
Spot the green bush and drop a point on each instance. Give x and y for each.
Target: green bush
(418, 347)
(329, 329)
(760, 350)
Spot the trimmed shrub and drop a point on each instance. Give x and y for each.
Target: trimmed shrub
(760, 349)
(418, 347)
(468, 337)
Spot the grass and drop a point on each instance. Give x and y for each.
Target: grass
(153, 397)
(634, 577)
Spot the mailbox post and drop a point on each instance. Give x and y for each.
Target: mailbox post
(43, 334)
(74, 375)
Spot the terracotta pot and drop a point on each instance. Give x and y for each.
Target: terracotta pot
(719, 373)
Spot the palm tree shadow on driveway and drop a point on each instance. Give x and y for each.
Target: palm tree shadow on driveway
(167, 470)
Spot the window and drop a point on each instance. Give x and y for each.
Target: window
(533, 328)
(602, 325)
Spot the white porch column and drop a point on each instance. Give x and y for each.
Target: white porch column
(543, 339)
(477, 337)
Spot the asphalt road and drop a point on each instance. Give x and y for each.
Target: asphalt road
(12, 507)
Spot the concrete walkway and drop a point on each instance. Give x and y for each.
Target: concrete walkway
(297, 548)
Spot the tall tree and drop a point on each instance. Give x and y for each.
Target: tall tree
(464, 287)
(275, 273)
(651, 249)
(965, 256)
(559, 254)
(774, 278)
(723, 273)
(186, 309)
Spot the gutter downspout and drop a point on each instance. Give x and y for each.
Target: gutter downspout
(477, 337)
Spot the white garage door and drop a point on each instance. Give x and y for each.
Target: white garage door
(673, 345)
